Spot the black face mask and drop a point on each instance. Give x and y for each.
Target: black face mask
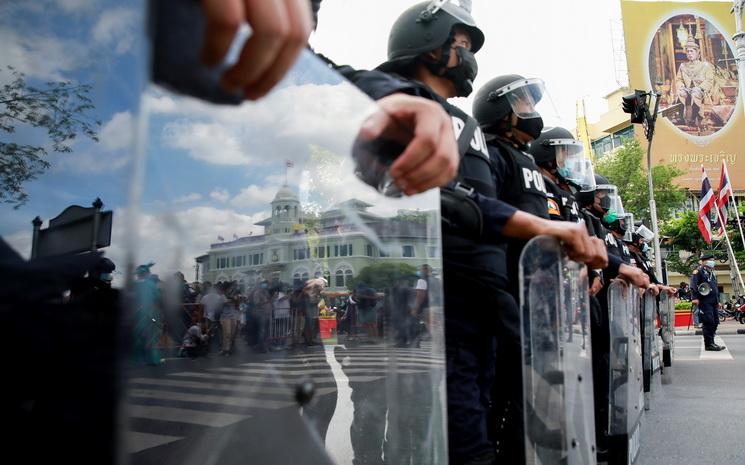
(464, 73)
(530, 126)
(584, 198)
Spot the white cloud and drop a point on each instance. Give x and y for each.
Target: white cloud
(253, 196)
(117, 133)
(76, 5)
(90, 160)
(281, 126)
(172, 240)
(210, 142)
(39, 56)
(191, 197)
(110, 154)
(221, 195)
(116, 28)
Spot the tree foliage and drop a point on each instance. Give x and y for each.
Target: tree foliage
(682, 234)
(382, 275)
(624, 168)
(62, 109)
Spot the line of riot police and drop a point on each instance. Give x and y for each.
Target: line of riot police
(517, 181)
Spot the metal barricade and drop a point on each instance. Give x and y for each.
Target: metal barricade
(281, 329)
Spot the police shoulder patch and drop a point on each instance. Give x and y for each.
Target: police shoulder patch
(553, 207)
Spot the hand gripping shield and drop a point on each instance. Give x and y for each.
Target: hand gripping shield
(626, 396)
(557, 357)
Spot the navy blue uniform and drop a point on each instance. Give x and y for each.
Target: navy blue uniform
(708, 304)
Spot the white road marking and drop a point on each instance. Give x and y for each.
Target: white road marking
(136, 442)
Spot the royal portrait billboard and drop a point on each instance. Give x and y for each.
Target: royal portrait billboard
(684, 52)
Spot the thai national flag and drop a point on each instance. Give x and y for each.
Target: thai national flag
(705, 205)
(725, 191)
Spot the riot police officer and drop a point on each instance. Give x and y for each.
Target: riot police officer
(552, 151)
(505, 108)
(706, 295)
(431, 54)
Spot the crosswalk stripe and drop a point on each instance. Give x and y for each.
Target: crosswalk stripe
(255, 388)
(382, 370)
(275, 379)
(136, 441)
(352, 360)
(266, 384)
(181, 415)
(210, 399)
(721, 355)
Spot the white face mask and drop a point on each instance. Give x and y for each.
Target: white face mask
(710, 263)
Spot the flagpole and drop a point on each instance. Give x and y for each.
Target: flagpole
(731, 254)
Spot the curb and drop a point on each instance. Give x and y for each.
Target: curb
(720, 332)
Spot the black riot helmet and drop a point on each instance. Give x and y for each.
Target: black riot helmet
(544, 148)
(426, 27)
(505, 95)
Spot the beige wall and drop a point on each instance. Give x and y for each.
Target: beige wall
(612, 120)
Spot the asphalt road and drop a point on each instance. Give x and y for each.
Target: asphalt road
(700, 417)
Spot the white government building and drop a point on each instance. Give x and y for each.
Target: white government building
(295, 247)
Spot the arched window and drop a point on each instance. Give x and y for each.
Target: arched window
(348, 277)
(343, 275)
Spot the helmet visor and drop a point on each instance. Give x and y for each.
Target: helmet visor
(627, 222)
(607, 197)
(580, 171)
(523, 96)
(645, 233)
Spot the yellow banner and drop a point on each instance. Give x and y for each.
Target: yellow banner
(684, 51)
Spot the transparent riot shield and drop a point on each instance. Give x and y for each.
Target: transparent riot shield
(667, 332)
(626, 395)
(71, 76)
(277, 314)
(557, 357)
(649, 302)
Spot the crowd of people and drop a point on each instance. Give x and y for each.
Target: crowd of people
(271, 316)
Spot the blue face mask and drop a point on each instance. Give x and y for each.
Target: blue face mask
(645, 248)
(107, 277)
(563, 171)
(264, 285)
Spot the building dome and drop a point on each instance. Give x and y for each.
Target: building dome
(285, 193)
